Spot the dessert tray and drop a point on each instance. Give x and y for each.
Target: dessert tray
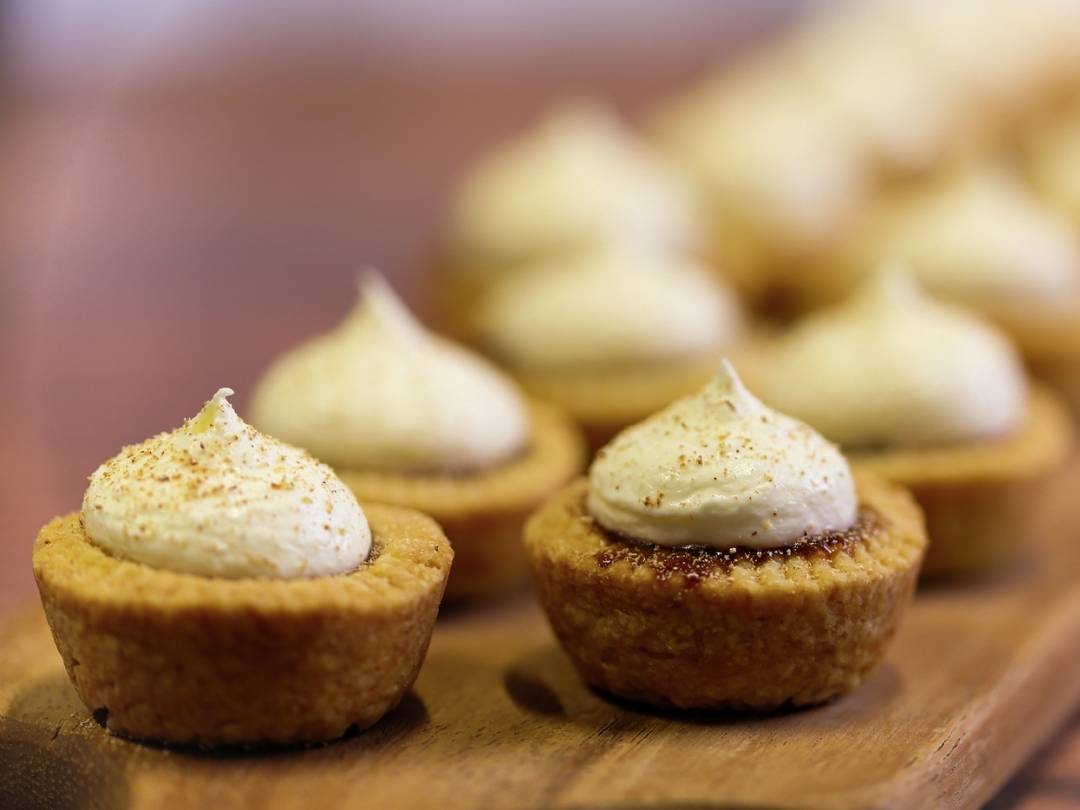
(979, 676)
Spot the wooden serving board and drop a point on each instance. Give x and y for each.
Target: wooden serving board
(979, 675)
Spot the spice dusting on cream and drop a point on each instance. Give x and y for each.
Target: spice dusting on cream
(720, 469)
(217, 498)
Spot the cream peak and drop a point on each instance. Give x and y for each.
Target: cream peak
(728, 390)
(217, 498)
(892, 284)
(214, 406)
(378, 303)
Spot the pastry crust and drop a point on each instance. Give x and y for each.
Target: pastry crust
(602, 400)
(739, 255)
(1050, 151)
(198, 660)
(457, 287)
(1063, 373)
(1049, 339)
(747, 630)
(483, 513)
(766, 265)
(979, 497)
(605, 400)
(829, 275)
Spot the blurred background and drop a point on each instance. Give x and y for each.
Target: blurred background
(191, 185)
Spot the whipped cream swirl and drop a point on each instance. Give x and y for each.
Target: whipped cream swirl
(380, 392)
(893, 367)
(608, 306)
(217, 498)
(859, 71)
(982, 239)
(769, 155)
(721, 469)
(578, 178)
(1002, 54)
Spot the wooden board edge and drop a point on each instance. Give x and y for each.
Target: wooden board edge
(1000, 731)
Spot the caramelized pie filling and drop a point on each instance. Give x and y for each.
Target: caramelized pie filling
(695, 563)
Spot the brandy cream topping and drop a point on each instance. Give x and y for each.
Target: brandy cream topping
(578, 178)
(765, 151)
(721, 469)
(380, 392)
(217, 498)
(893, 367)
(608, 307)
(981, 238)
(1002, 52)
(862, 73)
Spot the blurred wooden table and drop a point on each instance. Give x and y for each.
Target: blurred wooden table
(154, 247)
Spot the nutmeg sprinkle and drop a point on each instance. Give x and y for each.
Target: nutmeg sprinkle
(216, 497)
(721, 468)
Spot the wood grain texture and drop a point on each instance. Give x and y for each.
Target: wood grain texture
(1051, 780)
(979, 676)
(162, 240)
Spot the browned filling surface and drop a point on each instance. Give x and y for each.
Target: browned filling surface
(695, 563)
